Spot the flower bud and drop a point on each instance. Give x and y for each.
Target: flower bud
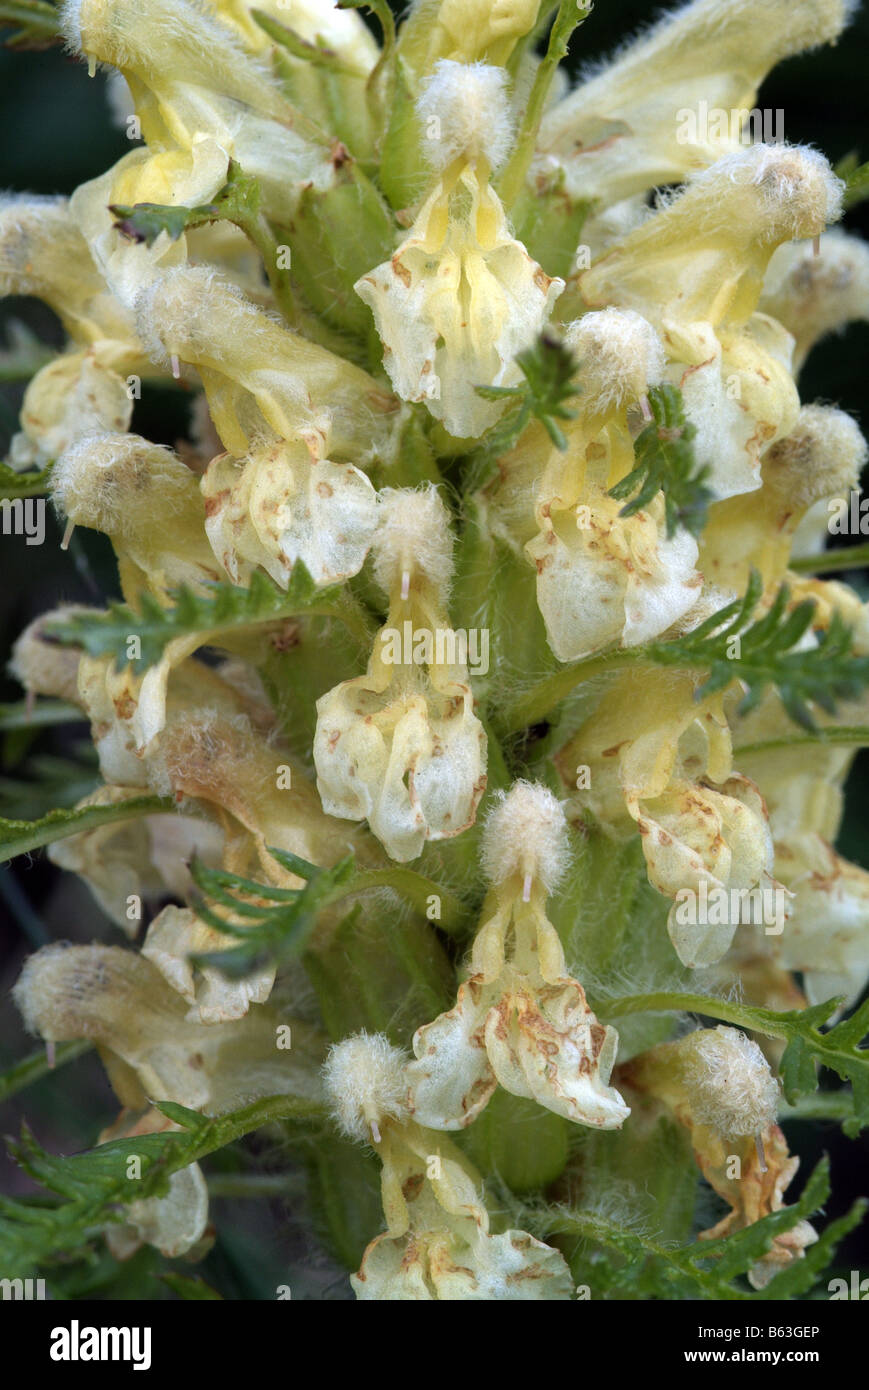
(816, 290)
(728, 1081)
(466, 103)
(364, 1078)
(525, 837)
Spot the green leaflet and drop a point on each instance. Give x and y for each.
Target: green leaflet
(191, 1288)
(729, 647)
(665, 463)
(277, 930)
(317, 54)
(807, 1047)
(14, 484)
(94, 1185)
(840, 1051)
(22, 836)
(628, 1263)
(549, 368)
(237, 202)
(763, 654)
(224, 609)
(856, 177)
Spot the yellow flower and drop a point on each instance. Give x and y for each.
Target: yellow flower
(719, 1086)
(460, 297)
(189, 78)
(815, 290)
(703, 827)
(437, 1244)
(695, 270)
(678, 97)
(288, 502)
(401, 746)
(522, 1023)
(151, 1048)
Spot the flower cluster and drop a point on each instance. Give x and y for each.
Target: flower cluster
(418, 415)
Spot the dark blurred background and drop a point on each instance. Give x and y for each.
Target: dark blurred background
(58, 133)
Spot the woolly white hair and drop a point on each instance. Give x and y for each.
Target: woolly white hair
(814, 295)
(364, 1078)
(822, 456)
(620, 355)
(45, 667)
(730, 1086)
(464, 109)
(413, 536)
(525, 833)
(797, 189)
(95, 480)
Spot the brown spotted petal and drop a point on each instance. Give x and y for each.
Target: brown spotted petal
(697, 835)
(456, 303)
(411, 762)
(537, 1040)
(452, 1266)
(756, 1193)
(545, 1043)
(286, 502)
(605, 578)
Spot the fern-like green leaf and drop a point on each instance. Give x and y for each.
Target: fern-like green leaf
(627, 1263)
(665, 463)
(14, 484)
(238, 201)
(22, 836)
(765, 654)
(226, 608)
(840, 1051)
(549, 369)
(276, 926)
(95, 1187)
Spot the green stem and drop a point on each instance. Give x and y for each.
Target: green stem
(853, 736)
(260, 234)
(39, 20)
(417, 889)
(744, 1015)
(851, 557)
(20, 836)
(823, 1105)
(536, 703)
(37, 1065)
(509, 184)
(247, 1185)
(387, 24)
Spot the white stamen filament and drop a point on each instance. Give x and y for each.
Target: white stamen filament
(761, 1156)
